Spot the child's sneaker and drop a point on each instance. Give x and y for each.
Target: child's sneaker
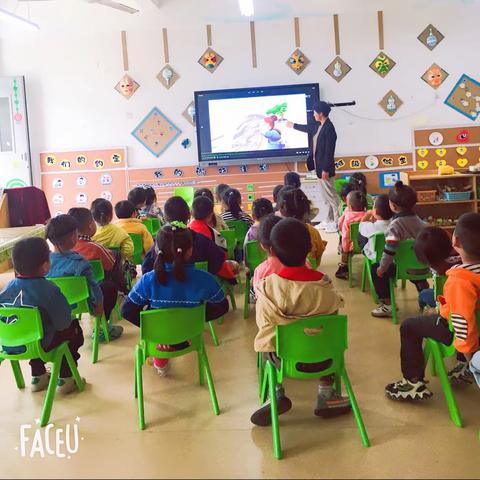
(67, 385)
(263, 416)
(407, 390)
(114, 332)
(161, 371)
(382, 311)
(40, 383)
(333, 406)
(461, 374)
(342, 271)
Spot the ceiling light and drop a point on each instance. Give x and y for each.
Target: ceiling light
(12, 17)
(246, 7)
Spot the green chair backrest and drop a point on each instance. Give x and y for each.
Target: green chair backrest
(322, 338)
(169, 326)
(98, 271)
(21, 327)
(230, 238)
(378, 245)
(155, 225)
(354, 237)
(313, 262)
(370, 201)
(240, 228)
(254, 255)
(137, 248)
(408, 266)
(438, 284)
(75, 290)
(201, 266)
(186, 193)
(148, 223)
(339, 183)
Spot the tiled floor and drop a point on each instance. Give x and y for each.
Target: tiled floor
(184, 439)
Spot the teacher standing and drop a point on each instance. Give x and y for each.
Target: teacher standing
(322, 159)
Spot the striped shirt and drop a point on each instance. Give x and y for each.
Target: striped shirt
(244, 217)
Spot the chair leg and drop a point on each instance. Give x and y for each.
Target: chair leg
(103, 323)
(246, 297)
(371, 285)
(52, 385)
(231, 292)
(350, 265)
(211, 385)
(446, 386)
(213, 333)
(429, 358)
(260, 374)
(272, 383)
(393, 301)
(96, 339)
(139, 380)
(356, 410)
(363, 283)
(117, 312)
(17, 373)
(201, 369)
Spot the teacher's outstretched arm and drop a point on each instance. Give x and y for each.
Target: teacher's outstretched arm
(305, 128)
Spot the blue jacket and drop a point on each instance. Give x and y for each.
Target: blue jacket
(72, 264)
(204, 250)
(39, 292)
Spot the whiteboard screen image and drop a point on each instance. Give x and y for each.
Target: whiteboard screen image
(257, 123)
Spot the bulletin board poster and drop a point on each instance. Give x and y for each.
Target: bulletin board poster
(76, 178)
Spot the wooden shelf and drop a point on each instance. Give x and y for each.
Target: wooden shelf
(412, 176)
(446, 202)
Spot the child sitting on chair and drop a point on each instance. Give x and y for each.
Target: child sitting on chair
(128, 222)
(294, 293)
(458, 303)
(31, 262)
(232, 204)
(216, 221)
(151, 209)
(404, 225)
(261, 207)
(355, 211)
(174, 283)
(138, 196)
(62, 231)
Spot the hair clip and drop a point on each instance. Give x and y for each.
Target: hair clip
(177, 224)
(179, 250)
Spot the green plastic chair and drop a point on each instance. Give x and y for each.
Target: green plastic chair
(229, 236)
(254, 256)
(339, 183)
(170, 326)
(370, 201)
(98, 271)
(310, 340)
(379, 246)
(240, 228)
(149, 224)
(156, 225)
(23, 327)
(75, 290)
(204, 266)
(137, 248)
(356, 251)
(186, 193)
(313, 262)
(407, 268)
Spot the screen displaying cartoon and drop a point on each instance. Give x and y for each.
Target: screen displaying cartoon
(250, 125)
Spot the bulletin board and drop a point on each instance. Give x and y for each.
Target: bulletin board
(454, 146)
(76, 178)
(253, 181)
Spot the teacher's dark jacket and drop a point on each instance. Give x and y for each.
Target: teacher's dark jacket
(325, 148)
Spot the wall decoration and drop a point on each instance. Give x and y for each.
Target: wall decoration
(223, 170)
(200, 171)
(263, 167)
(297, 61)
(441, 152)
(355, 163)
(430, 37)
(158, 174)
(338, 69)
(462, 162)
(388, 180)
(156, 132)
(186, 143)
(126, 86)
(435, 138)
(435, 76)
(17, 116)
(178, 172)
(210, 59)
(371, 162)
(189, 113)
(382, 64)
(465, 97)
(390, 103)
(422, 164)
(81, 183)
(423, 152)
(463, 136)
(461, 150)
(167, 76)
(253, 42)
(244, 168)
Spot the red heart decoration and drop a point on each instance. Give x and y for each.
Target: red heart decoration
(463, 136)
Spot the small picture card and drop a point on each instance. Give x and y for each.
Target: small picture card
(430, 37)
(298, 61)
(210, 60)
(338, 69)
(127, 86)
(382, 64)
(390, 103)
(167, 76)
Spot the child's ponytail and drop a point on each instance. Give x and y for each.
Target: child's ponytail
(233, 200)
(159, 268)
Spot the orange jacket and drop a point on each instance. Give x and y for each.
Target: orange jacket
(461, 294)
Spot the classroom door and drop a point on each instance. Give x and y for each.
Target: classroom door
(15, 165)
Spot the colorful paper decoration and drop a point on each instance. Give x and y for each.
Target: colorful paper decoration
(189, 113)
(250, 187)
(371, 162)
(167, 76)
(465, 97)
(390, 103)
(243, 168)
(158, 174)
(263, 167)
(462, 162)
(423, 152)
(430, 37)
(388, 180)
(435, 138)
(338, 69)
(435, 76)
(210, 59)
(441, 152)
(186, 143)
(156, 132)
(355, 163)
(402, 161)
(223, 170)
(126, 86)
(387, 162)
(461, 150)
(200, 171)
(422, 164)
(178, 172)
(297, 61)
(382, 64)
(440, 163)
(463, 136)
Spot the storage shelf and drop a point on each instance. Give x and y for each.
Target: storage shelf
(413, 177)
(446, 202)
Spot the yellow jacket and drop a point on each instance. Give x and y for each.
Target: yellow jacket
(318, 245)
(113, 236)
(134, 225)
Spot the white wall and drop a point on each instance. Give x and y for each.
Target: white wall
(73, 63)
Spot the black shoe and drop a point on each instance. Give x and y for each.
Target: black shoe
(342, 272)
(263, 417)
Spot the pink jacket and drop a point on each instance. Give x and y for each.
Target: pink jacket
(344, 223)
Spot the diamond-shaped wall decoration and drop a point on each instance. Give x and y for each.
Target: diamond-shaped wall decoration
(338, 69)
(297, 61)
(189, 113)
(210, 60)
(390, 103)
(127, 86)
(156, 132)
(167, 76)
(430, 37)
(435, 76)
(382, 64)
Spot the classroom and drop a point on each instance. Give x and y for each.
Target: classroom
(239, 239)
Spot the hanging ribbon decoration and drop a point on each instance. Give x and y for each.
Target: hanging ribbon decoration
(338, 68)
(167, 75)
(127, 86)
(297, 61)
(210, 59)
(382, 64)
(254, 44)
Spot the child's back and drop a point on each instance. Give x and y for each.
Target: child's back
(125, 212)
(233, 207)
(355, 211)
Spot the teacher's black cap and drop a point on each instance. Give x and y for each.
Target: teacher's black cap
(322, 107)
